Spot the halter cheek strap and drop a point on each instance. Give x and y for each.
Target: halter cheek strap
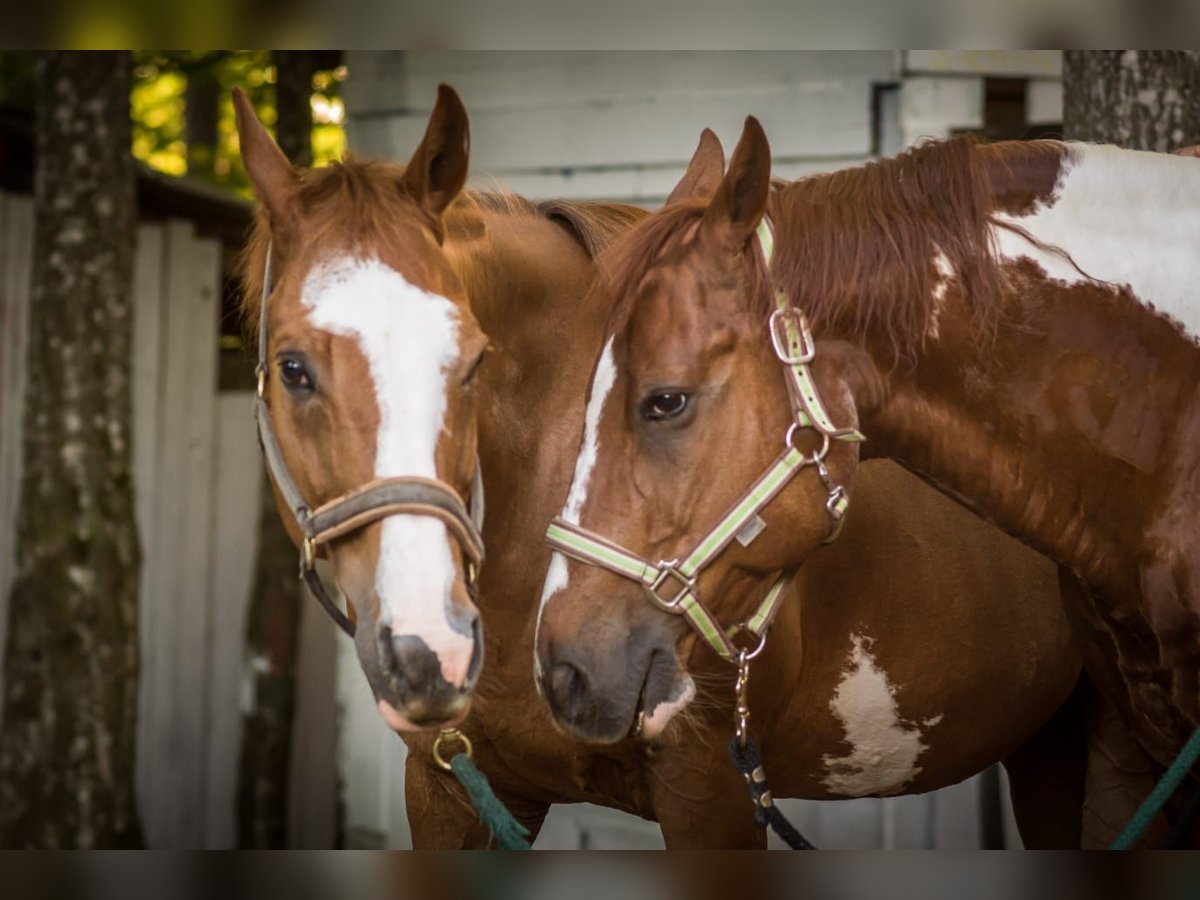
(793, 343)
(376, 500)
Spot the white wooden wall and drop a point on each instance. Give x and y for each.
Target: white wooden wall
(621, 125)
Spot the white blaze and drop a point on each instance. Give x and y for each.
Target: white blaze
(883, 758)
(409, 338)
(602, 382)
(1125, 217)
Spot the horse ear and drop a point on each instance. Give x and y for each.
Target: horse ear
(275, 180)
(438, 169)
(741, 198)
(703, 172)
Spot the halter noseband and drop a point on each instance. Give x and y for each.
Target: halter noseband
(378, 499)
(793, 343)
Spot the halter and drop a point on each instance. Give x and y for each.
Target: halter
(375, 500)
(793, 343)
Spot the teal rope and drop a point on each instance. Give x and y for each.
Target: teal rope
(508, 833)
(1152, 805)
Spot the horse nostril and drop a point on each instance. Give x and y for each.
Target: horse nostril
(568, 686)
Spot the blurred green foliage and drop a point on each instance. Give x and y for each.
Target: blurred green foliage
(159, 108)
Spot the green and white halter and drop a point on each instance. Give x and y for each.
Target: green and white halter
(793, 343)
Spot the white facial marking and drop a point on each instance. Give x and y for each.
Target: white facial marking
(1111, 211)
(884, 755)
(602, 382)
(409, 338)
(657, 719)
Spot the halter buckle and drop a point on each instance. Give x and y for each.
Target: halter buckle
(260, 373)
(308, 556)
(781, 336)
(669, 569)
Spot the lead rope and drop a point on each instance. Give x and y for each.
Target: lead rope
(746, 758)
(1153, 804)
(502, 826)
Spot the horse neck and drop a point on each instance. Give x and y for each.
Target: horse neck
(1074, 426)
(528, 284)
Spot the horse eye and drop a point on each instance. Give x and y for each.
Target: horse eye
(664, 405)
(294, 376)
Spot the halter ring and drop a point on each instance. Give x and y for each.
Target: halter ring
(451, 734)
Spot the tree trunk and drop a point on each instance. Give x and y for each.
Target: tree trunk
(273, 620)
(202, 104)
(70, 689)
(1140, 99)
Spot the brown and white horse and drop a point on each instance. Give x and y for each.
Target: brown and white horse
(1019, 325)
(523, 275)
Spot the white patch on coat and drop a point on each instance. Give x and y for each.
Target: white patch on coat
(945, 275)
(1126, 217)
(556, 574)
(409, 338)
(883, 758)
(658, 718)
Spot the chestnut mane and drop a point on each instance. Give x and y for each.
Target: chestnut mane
(858, 246)
(359, 202)
(855, 249)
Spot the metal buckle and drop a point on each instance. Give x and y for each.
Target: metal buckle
(669, 569)
(260, 372)
(308, 556)
(780, 339)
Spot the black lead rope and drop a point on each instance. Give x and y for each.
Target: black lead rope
(749, 763)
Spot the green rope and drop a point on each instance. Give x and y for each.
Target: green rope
(508, 833)
(1162, 792)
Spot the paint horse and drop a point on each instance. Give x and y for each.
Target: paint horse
(1018, 325)
(521, 274)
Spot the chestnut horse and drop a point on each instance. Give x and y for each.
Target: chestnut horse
(520, 274)
(1019, 326)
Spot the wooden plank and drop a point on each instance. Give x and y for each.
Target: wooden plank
(645, 129)
(16, 268)
(195, 638)
(175, 700)
(1044, 63)
(148, 338)
(395, 80)
(237, 484)
(312, 791)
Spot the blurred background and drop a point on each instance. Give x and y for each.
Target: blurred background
(250, 723)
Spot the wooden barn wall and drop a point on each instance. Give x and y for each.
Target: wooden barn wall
(621, 125)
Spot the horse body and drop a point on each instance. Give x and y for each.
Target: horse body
(942, 656)
(1054, 388)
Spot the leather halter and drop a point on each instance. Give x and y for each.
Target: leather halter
(793, 344)
(373, 501)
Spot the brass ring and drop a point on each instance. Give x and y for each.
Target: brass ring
(450, 734)
(310, 554)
